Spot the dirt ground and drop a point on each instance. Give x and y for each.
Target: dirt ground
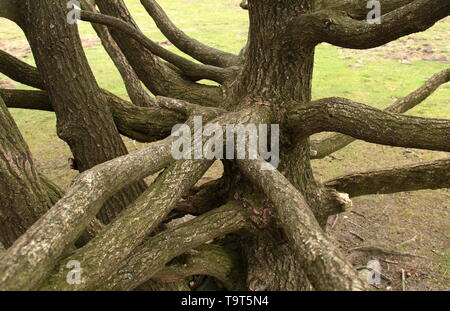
(408, 233)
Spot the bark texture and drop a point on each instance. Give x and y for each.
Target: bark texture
(253, 228)
(22, 196)
(83, 119)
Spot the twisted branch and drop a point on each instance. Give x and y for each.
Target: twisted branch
(369, 124)
(428, 175)
(190, 69)
(334, 142)
(338, 28)
(199, 51)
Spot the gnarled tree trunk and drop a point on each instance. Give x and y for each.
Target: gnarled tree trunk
(83, 118)
(23, 197)
(274, 219)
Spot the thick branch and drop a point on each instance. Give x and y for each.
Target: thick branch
(144, 124)
(369, 124)
(324, 265)
(429, 175)
(153, 255)
(157, 76)
(62, 224)
(334, 142)
(340, 29)
(188, 45)
(357, 9)
(100, 257)
(138, 95)
(20, 71)
(22, 195)
(190, 69)
(214, 260)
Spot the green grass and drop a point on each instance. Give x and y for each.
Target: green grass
(223, 24)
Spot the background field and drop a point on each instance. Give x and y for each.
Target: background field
(416, 223)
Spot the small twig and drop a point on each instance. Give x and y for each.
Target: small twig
(390, 261)
(358, 213)
(335, 221)
(357, 235)
(355, 224)
(334, 157)
(413, 239)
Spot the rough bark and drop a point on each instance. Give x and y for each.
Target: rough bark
(428, 175)
(369, 124)
(157, 77)
(315, 251)
(334, 142)
(100, 257)
(138, 95)
(83, 119)
(340, 29)
(151, 257)
(144, 124)
(283, 212)
(22, 195)
(62, 225)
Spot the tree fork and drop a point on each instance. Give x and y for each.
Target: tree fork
(76, 101)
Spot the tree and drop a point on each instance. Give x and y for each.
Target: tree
(266, 225)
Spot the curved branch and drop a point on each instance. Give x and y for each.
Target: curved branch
(334, 142)
(324, 265)
(214, 260)
(199, 51)
(65, 221)
(210, 195)
(20, 71)
(190, 69)
(156, 75)
(153, 255)
(138, 95)
(100, 257)
(357, 9)
(428, 175)
(340, 29)
(369, 124)
(144, 124)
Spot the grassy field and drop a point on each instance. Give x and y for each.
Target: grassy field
(376, 77)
